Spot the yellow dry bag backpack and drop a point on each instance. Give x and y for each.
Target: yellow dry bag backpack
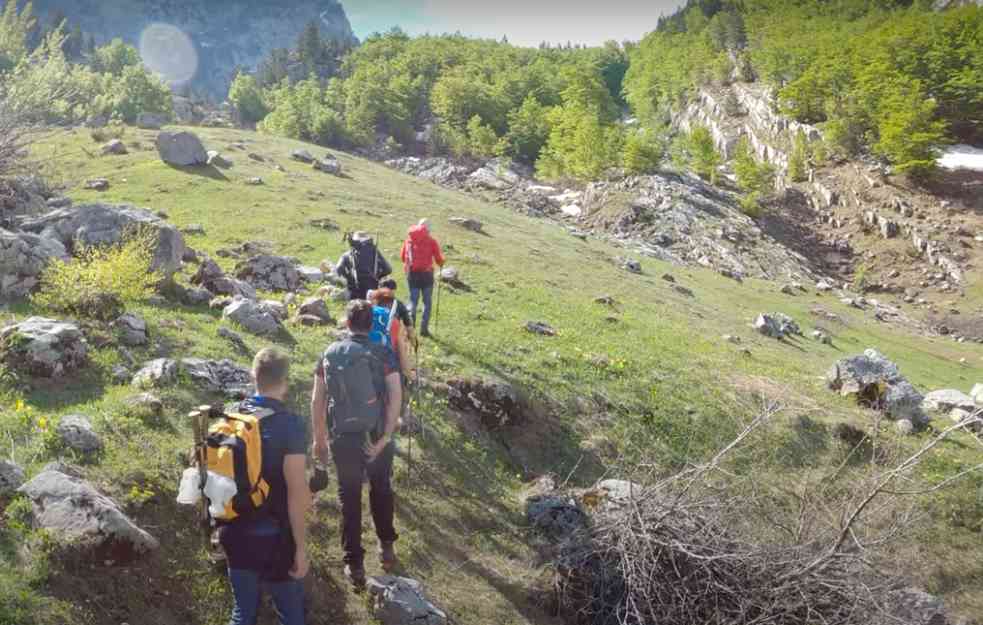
(231, 453)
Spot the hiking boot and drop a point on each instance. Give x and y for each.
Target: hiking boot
(426, 334)
(387, 556)
(355, 576)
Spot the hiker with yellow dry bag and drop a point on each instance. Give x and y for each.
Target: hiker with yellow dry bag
(252, 478)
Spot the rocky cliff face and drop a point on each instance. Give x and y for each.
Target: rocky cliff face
(223, 34)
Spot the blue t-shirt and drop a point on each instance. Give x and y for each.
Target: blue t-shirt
(283, 433)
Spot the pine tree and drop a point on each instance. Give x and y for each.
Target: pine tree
(310, 47)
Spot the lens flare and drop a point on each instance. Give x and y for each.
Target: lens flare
(168, 51)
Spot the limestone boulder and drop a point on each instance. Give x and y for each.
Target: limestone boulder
(182, 149)
(43, 347)
(11, 478)
(401, 601)
(23, 257)
(252, 317)
(270, 273)
(77, 434)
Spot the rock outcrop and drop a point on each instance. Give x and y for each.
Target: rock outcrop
(77, 434)
(11, 478)
(182, 149)
(75, 513)
(23, 257)
(876, 382)
(270, 273)
(106, 224)
(497, 403)
(43, 347)
(252, 316)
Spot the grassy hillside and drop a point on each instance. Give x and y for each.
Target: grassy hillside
(648, 380)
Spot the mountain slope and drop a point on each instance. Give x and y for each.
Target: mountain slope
(649, 378)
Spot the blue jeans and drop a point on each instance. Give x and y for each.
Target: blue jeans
(288, 598)
(427, 299)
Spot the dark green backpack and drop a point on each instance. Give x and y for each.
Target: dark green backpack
(355, 376)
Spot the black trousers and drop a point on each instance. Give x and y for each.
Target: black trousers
(350, 462)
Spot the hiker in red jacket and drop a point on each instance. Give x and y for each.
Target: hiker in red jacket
(420, 252)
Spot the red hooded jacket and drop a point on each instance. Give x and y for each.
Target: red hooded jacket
(420, 250)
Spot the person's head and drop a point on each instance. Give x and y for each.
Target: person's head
(270, 372)
(381, 297)
(388, 283)
(358, 316)
(425, 224)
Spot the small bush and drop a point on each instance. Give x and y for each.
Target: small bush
(114, 130)
(798, 159)
(100, 279)
(751, 205)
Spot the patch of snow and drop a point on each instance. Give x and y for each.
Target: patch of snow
(962, 156)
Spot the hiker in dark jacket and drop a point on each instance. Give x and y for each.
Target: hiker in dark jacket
(362, 266)
(354, 412)
(270, 549)
(419, 254)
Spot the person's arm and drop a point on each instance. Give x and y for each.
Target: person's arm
(394, 402)
(319, 414)
(404, 256)
(437, 253)
(298, 504)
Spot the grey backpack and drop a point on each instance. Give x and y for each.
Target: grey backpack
(354, 372)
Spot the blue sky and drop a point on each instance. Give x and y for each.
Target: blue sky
(524, 22)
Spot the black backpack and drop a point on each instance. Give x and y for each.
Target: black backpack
(355, 376)
(365, 260)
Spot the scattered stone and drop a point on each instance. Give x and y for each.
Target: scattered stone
(43, 347)
(181, 149)
(630, 265)
(904, 427)
(401, 601)
(606, 300)
(822, 337)
(195, 296)
(788, 289)
(541, 328)
(269, 273)
(11, 478)
(324, 224)
(289, 299)
(668, 277)
(467, 223)
(678, 288)
(106, 224)
(77, 434)
(730, 338)
(252, 316)
(315, 307)
(302, 156)
(946, 400)
(910, 605)
(156, 374)
(216, 159)
(823, 286)
(222, 376)
(450, 274)
(121, 375)
(497, 403)
(234, 338)
(876, 382)
(254, 181)
(329, 165)
(96, 184)
(74, 512)
(114, 147)
(194, 229)
(977, 393)
(554, 514)
(132, 330)
(145, 403)
(334, 293)
(776, 325)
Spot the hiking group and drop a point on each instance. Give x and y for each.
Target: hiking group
(250, 478)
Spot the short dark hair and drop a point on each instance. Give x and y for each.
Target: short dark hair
(359, 315)
(270, 367)
(388, 284)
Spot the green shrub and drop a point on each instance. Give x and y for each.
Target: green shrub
(99, 278)
(695, 150)
(643, 151)
(757, 178)
(113, 130)
(751, 204)
(799, 158)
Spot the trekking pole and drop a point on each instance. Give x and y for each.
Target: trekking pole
(436, 312)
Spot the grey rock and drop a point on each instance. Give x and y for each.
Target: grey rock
(252, 317)
(302, 156)
(824, 286)
(96, 184)
(216, 159)
(977, 393)
(822, 337)
(946, 399)
(193, 229)
(106, 224)
(145, 403)
(310, 274)
(540, 327)
(76, 433)
(23, 257)
(401, 601)
(182, 149)
(556, 515)
(156, 374)
(467, 223)
(270, 273)
(450, 274)
(335, 293)
(497, 174)
(630, 265)
(877, 382)
(316, 307)
(776, 325)
(115, 147)
(254, 181)
(222, 376)
(43, 347)
(904, 427)
(912, 606)
(11, 478)
(496, 402)
(196, 296)
(74, 512)
(132, 330)
(151, 121)
(328, 165)
(121, 375)
(234, 338)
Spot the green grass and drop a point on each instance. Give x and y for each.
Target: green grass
(669, 390)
